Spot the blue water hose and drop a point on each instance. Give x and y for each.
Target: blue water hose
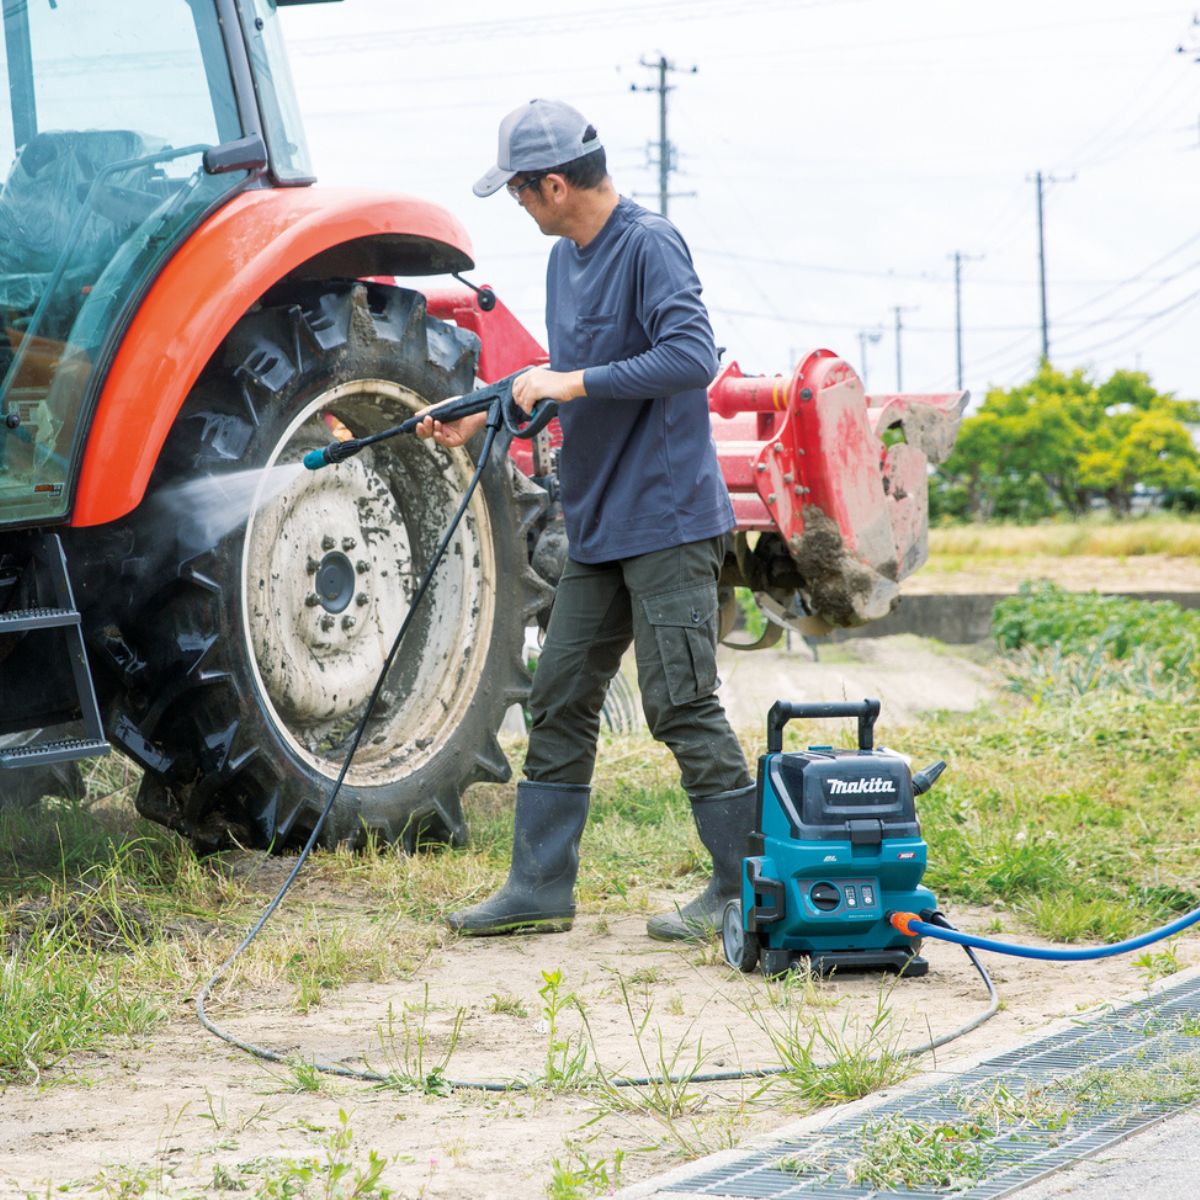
(914, 926)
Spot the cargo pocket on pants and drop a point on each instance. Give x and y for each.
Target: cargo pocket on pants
(685, 631)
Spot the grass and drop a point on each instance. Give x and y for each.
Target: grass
(58, 996)
(1174, 536)
(945, 1155)
(1069, 813)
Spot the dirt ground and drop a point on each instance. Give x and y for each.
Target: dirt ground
(911, 675)
(182, 1114)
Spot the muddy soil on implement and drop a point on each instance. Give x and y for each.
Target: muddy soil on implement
(182, 1114)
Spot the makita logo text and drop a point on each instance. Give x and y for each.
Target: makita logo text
(858, 787)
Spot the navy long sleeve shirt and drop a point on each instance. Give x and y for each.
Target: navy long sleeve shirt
(638, 468)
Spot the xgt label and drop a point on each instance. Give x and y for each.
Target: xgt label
(858, 787)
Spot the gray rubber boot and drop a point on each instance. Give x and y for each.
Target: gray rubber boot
(724, 822)
(538, 896)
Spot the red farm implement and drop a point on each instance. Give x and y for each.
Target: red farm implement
(828, 483)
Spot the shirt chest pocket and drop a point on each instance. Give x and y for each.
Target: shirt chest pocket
(595, 332)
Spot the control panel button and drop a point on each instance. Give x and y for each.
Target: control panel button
(868, 895)
(825, 896)
(851, 897)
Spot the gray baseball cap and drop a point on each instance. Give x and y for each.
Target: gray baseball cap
(540, 134)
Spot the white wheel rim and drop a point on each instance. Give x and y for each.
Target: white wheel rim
(368, 524)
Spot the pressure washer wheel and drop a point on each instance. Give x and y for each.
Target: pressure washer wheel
(262, 641)
(740, 945)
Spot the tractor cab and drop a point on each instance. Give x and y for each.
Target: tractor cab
(125, 127)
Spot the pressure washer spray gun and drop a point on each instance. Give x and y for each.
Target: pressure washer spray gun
(496, 399)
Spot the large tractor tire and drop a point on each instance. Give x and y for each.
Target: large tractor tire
(250, 647)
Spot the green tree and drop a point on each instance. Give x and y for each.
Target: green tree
(1061, 441)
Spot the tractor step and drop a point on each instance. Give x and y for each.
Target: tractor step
(22, 619)
(81, 708)
(45, 753)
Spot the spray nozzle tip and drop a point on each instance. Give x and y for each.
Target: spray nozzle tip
(314, 460)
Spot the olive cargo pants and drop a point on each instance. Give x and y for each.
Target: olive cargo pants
(665, 603)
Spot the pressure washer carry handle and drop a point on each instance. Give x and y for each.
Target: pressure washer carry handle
(783, 711)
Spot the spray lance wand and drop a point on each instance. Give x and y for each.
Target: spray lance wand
(483, 399)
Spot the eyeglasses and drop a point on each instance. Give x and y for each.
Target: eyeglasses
(532, 181)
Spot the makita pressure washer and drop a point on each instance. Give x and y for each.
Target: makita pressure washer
(836, 849)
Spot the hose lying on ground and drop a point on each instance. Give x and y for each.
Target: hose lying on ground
(496, 418)
(914, 926)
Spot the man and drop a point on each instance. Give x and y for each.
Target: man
(647, 517)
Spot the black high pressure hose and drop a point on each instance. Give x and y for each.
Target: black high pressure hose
(496, 400)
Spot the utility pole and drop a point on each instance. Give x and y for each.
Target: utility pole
(959, 258)
(874, 336)
(1195, 36)
(898, 309)
(1041, 181)
(666, 151)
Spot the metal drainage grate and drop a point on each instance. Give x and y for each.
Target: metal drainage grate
(1142, 1035)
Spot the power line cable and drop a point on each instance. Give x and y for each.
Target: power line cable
(1155, 286)
(1147, 320)
(549, 22)
(1125, 118)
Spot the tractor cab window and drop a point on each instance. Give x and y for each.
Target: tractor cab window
(109, 110)
(276, 94)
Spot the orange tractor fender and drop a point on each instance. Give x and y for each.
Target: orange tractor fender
(242, 250)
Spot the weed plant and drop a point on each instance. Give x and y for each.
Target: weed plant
(670, 1094)
(336, 1174)
(580, 1177)
(566, 1065)
(830, 1061)
(946, 1155)
(58, 997)
(1009, 1110)
(407, 1048)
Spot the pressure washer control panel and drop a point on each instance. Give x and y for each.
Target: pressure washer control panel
(827, 794)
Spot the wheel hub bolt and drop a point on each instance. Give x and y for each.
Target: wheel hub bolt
(361, 599)
(362, 567)
(312, 600)
(348, 622)
(326, 622)
(348, 543)
(327, 543)
(312, 564)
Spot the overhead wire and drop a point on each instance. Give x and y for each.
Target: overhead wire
(1147, 320)
(551, 21)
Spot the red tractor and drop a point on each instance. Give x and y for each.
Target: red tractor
(182, 308)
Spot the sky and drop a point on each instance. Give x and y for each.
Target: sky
(839, 152)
